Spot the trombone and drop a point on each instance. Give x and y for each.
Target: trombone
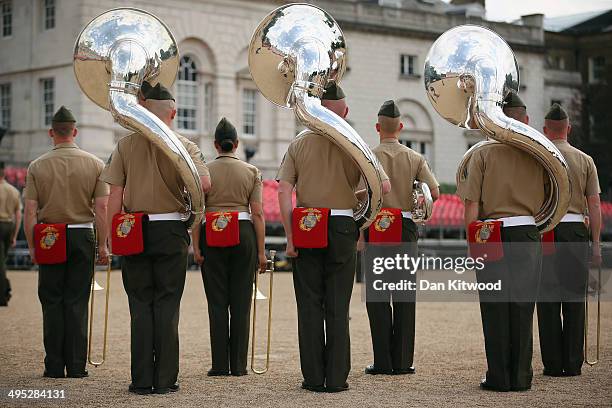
(95, 287)
(257, 296)
(588, 361)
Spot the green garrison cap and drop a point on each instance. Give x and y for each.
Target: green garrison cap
(157, 92)
(389, 109)
(145, 88)
(333, 92)
(556, 112)
(225, 131)
(63, 114)
(512, 100)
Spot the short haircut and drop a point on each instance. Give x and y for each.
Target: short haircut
(519, 113)
(557, 126)
(388, 125)
(63, 129)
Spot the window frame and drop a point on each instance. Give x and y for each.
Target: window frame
(6, 13)
(193, 85)
(408, 66)
(254, 92)
(48, 14)
(45, 90)
(5, 104)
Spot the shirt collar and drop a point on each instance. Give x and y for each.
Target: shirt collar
(560, 141)
(230, 154)
(389, 140)
(65, 145)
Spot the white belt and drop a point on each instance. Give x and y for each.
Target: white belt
(342, 213)
(572, 218)
(407, 214)
(242, 216)
(165, 217)
(83, 225)
(515, 221)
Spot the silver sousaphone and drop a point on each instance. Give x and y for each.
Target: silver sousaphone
(294, 53)
(468, 72)
(113, 55)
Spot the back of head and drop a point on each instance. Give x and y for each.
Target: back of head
(333, 98)
(515, 108)
(226, 136)
(159, 101)
(63, 123)
(389, 119)
(556, 122)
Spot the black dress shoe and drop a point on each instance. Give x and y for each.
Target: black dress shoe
(484, 385)
(313, 388)
(140, 390)
(571, 373)
(344, 387)
(217, 373)
(166, 390)
(50, 374)
(552, 373)
(403, 371)
(239, 373)
(81, 374)
(373, 370)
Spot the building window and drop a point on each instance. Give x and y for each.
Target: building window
(48, 14)
(408, 65)
(187, 95)
(5, 106)
(597, 67)
(556, 62)
(249, 111)
(47, 87)
(7, 18)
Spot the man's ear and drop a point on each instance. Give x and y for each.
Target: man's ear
(378, 127)
(346, 112)
(545, 130)
(237, 143)
(526, 119)
(51, 133)
(173, 114)
(75, 132)
(401, 126)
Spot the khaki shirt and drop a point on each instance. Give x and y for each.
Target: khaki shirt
(235, 184)
(65, 181)
(403, 165)
(150, 180)
(323, 175)
(10, 202)
(505, 181)
(583, 176)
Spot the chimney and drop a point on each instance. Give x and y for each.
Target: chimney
(533, 20)
(464, 2)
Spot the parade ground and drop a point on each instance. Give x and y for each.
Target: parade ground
(449, 360)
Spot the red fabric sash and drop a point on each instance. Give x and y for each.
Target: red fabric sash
(548, 243)
(127, 235)
(50, 243)
(222, 229)
(309, 227)
(484, 239)
(387, 227)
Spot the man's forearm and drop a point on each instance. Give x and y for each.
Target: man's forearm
(260, 232)
(17, 224)
(594, 206)
(101, 222)
(286, 208)
(115, 200)
(29, 220)
(195, 235)
(470, 213)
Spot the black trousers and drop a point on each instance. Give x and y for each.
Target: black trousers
(6, 234)
(323, 282)
(507, 317)
(228, 274)
(561, 309)
(154, 281)
(63, 290)
(393, 329)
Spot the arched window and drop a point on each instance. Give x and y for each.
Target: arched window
(187, 95)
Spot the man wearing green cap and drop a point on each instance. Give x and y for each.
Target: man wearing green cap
(325, 180)
(564, 271)
(10, 221)
(393, 329)
(503, 190)
(62, 190)
(231, 251)
(144, 181)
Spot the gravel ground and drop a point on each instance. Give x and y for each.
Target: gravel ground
(449, 359)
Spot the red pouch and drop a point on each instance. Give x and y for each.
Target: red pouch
(387, 227)
(222, 229)
(309, 227)
(127, 234)
(484, 239)
(50, 243)
(548, 243)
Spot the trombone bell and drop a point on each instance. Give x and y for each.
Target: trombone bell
(257, 295)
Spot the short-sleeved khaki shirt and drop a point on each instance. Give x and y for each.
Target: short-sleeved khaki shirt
(323, 175)
(10, 202)
(235, 184)
(403, 166)
(583, 176)
(150, 180)
(505, 181)
(65, 181)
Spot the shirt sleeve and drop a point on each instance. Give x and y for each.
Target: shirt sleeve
(287, 171)
(592, 185)
(472, 186)
(257, 193)
(114, 171)
(197, 157)
(101, 189)
(426, 176)
(30, 192)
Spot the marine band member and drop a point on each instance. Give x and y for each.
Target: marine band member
(10, 222)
